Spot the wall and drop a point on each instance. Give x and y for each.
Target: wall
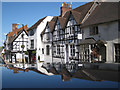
(18, 42)
(40, 44)
(31, 38)
(109, 33)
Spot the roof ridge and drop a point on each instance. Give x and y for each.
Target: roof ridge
(37, 23)
(82, 5)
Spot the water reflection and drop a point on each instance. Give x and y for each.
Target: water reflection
(66, 71)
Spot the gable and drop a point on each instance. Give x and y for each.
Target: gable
(19, 36)
(47, 29)
(57, 25)
(71, 21)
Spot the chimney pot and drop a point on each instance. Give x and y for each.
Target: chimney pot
(65, 7)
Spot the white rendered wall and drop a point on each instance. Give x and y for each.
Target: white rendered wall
(40, 44)
(33, 37)
(108, 32)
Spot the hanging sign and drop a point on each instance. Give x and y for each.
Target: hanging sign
(79, 36)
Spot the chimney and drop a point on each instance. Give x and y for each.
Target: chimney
(14, 27)
(65, 7)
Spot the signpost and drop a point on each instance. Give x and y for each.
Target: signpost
(79, 36)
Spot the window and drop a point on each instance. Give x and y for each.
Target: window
(57, 33)
(31, 32)
(54, 50)
(57, 29)
(72, 50)
(85, 53)
(47, 50)
(94, 30)
(22, 35)
(47, 36)
(58, 49)
(117, 53)
(32, 44)
(42, 50)
(71, 21)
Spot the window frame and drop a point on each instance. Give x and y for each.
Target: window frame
(31, 32)
(72, 50)
(117, 52)
(94, 30)
(32, 43)
(47, 50)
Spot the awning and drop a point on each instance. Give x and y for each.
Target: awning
(88, 41)
(101, 42)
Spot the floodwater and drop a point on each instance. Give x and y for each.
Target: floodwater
(56, 76)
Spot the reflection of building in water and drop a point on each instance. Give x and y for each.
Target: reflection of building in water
(67, 74)
(24, 66)
(16, 69)
(44, 70)
(81, 73)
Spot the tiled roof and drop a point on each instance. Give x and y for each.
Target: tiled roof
(36, 24)
(51, 24)
(83, 9)
(62, 21)
(16, 31)
(12, 35)
(88, 41)
(105, 12)
(79, 12)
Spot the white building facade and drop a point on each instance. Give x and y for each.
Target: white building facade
(35, 43)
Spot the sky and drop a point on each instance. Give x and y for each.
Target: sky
(28, 13)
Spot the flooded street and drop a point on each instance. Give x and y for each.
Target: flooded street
(57, 76)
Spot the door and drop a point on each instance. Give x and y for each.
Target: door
(117, 53)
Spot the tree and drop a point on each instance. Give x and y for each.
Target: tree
(1, 48)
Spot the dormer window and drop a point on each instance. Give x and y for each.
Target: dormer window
(71, 21)
(31, 32)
